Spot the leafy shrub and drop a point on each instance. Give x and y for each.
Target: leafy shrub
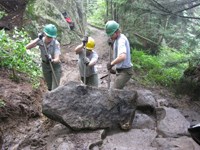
(13, 56)
(154, 69)
(2, 13)
(2, 103)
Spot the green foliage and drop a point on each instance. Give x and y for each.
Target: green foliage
(96, 13)
(2, 13)
(2, 103)
(153, 69)
(13, 56)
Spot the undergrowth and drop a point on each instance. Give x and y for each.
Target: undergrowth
(13, 56)
(154, 69)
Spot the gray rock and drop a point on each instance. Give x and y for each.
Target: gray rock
(171, 123)
(182, 143)
(84, 107)
(60, 140)
(143, 121)
(145, 97)
(135, 139)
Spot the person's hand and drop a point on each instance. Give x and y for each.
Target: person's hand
(109, 66)
(85, 40)
(112, 71)
(49, 58)
(86, 61)
(40, 35)
(110, 42)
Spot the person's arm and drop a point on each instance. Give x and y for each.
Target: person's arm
(79, 48)
(56, 58)
(93, 61)
(32, 43)
(119, 59)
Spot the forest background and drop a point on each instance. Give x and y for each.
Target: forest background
(164, 36)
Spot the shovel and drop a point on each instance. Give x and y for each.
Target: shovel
(109, 77)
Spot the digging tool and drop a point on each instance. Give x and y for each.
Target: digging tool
(85, 40)
(104, 76)
(109, 77)
(54, 75)
(84, 79)
(40, 37)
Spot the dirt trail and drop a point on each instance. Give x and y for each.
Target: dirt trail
(69, 58)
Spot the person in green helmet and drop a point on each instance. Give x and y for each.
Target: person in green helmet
(121, 54)
(121, 59)
(50, 54)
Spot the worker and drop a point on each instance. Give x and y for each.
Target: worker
(87, 60)
(121, 59)
(50, 54)
(68, 20)
(121, 54)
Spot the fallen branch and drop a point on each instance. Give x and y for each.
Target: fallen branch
(146, 39)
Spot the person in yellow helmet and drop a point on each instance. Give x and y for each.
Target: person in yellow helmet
(50, 54)
(87, 59)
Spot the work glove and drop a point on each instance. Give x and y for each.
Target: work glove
(109, 66)
(41, 35)
(49, 58)
(86, 61)
(110, 42)
(85, 40)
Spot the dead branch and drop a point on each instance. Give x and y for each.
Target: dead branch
(145, 39)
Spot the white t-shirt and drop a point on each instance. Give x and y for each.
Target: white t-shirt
(121, 45)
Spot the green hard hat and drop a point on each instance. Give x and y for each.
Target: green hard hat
(50, 30)
(111, 27)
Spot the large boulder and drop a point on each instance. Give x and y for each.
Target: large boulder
(190, 83)
(84, 107)
(171, 123)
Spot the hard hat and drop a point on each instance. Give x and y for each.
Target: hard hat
(90, 44)
(111, 27)
(50, 30)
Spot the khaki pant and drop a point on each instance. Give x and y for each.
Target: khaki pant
(49, 77)
(91, 80)
(122, 77)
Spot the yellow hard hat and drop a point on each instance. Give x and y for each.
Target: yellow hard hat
(90, 44)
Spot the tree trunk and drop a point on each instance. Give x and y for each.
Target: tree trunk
(111, 8)
(107, 11)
